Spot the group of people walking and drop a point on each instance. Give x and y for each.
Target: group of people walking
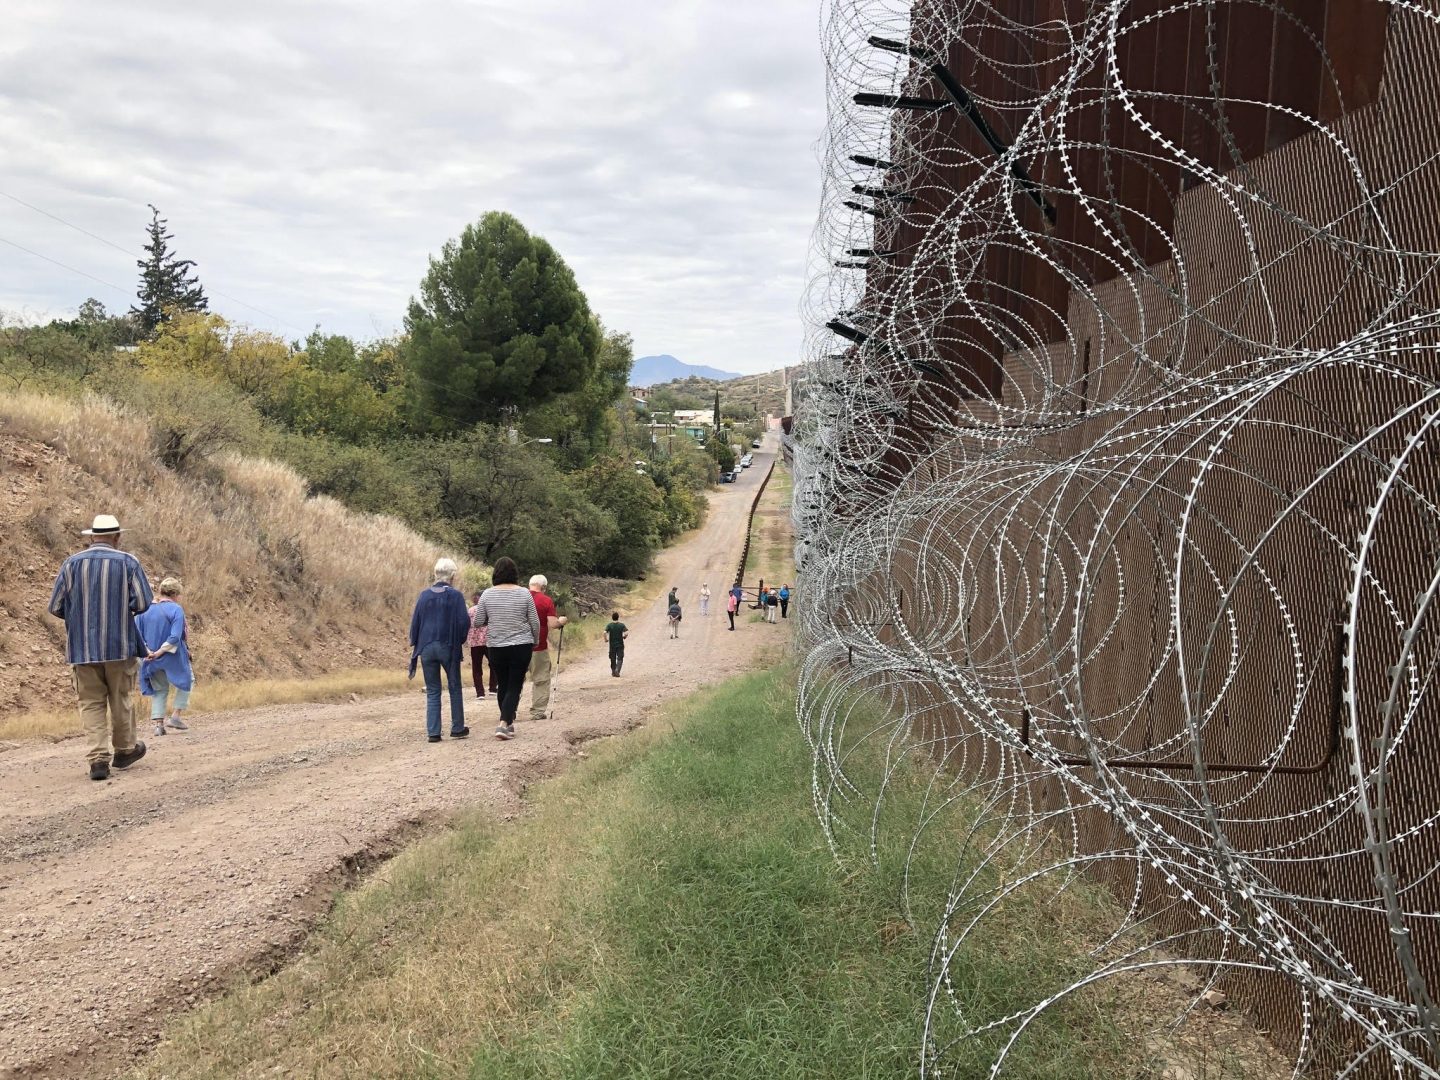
(117, 632)
(507, 625)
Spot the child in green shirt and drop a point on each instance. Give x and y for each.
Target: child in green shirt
(617, 632)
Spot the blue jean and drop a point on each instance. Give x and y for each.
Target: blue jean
(160, 683)
(434, 658)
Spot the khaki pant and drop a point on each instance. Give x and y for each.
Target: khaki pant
(109, 684)
(539, 684)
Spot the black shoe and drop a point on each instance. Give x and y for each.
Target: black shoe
(124, 761)
(464, 731)
(99, 770)
(432, 738)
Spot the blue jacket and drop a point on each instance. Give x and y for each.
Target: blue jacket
(163, 623)
(440, 615)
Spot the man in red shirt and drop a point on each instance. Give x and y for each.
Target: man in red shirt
(540, 662)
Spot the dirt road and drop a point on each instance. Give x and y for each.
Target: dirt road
(123, 902)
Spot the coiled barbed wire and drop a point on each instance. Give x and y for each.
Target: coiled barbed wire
(1118, 493)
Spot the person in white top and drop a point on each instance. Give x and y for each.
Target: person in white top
(705, 599)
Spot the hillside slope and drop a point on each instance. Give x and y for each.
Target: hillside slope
(278, 585)
(760, 395)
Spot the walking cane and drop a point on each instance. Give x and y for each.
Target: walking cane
(555, 678)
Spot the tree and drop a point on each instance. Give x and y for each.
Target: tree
(637, 507)
(257, 364)
(166, 283)
(583, 422)
(499, 323)
(494, 497)
(719, 448)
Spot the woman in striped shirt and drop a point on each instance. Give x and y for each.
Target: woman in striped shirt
(513, 626)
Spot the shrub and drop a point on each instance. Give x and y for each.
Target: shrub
(191, 418)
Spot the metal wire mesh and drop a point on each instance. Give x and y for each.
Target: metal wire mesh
(1117, 486)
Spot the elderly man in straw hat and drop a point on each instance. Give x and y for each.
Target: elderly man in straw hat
(98, 593)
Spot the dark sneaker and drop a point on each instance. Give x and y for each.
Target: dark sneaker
(176, 724)
(99, 770)
(433, 738)
(159, 729)
(462, 733)
(125, 760)
(505, 731)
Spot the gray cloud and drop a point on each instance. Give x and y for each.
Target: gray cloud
(310, 157)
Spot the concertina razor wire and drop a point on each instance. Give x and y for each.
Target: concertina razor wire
(1117, 494)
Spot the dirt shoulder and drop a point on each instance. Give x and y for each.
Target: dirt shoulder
(123, 902)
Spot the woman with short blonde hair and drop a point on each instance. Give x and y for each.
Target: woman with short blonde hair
(167, 661)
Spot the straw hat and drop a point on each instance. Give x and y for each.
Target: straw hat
(103, 525)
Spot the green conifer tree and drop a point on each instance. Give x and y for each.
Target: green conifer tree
(167, 284)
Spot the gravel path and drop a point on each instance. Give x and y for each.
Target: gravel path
(123, 902)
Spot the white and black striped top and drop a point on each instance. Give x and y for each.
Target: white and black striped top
(509, 612)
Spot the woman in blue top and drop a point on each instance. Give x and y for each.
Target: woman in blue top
(438, 629)
(167, 659)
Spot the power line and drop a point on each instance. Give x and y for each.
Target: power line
(126, 251)
(65, 266)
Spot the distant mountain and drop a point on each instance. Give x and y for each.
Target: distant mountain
(649, 370)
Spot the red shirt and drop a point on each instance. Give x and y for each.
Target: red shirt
(545, 608)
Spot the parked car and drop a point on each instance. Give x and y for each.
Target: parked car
(746, 461)
(727, 476)
(755, 443)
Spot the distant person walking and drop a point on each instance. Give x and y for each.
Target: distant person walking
(785, 601)
(98, 592)
(704, 600)
(674, 613)
(508, 611)
(438, 630)
(616, 632)
(475, 642)
(167, 661)
(674, 597)
(732, 604)
(541, 667)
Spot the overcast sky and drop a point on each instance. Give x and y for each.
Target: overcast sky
(310, 156)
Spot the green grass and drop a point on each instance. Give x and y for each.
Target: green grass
(669, 909)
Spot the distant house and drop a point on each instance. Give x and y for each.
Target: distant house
(695, 417)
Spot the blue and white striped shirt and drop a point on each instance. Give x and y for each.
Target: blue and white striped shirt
(98, 593)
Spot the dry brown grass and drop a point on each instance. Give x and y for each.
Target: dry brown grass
(278, 585)
(252, 516)
(56, 724)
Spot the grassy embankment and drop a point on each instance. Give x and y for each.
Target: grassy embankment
(292, 598)
(668, 909)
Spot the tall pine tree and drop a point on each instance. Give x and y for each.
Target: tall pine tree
(166, 282)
